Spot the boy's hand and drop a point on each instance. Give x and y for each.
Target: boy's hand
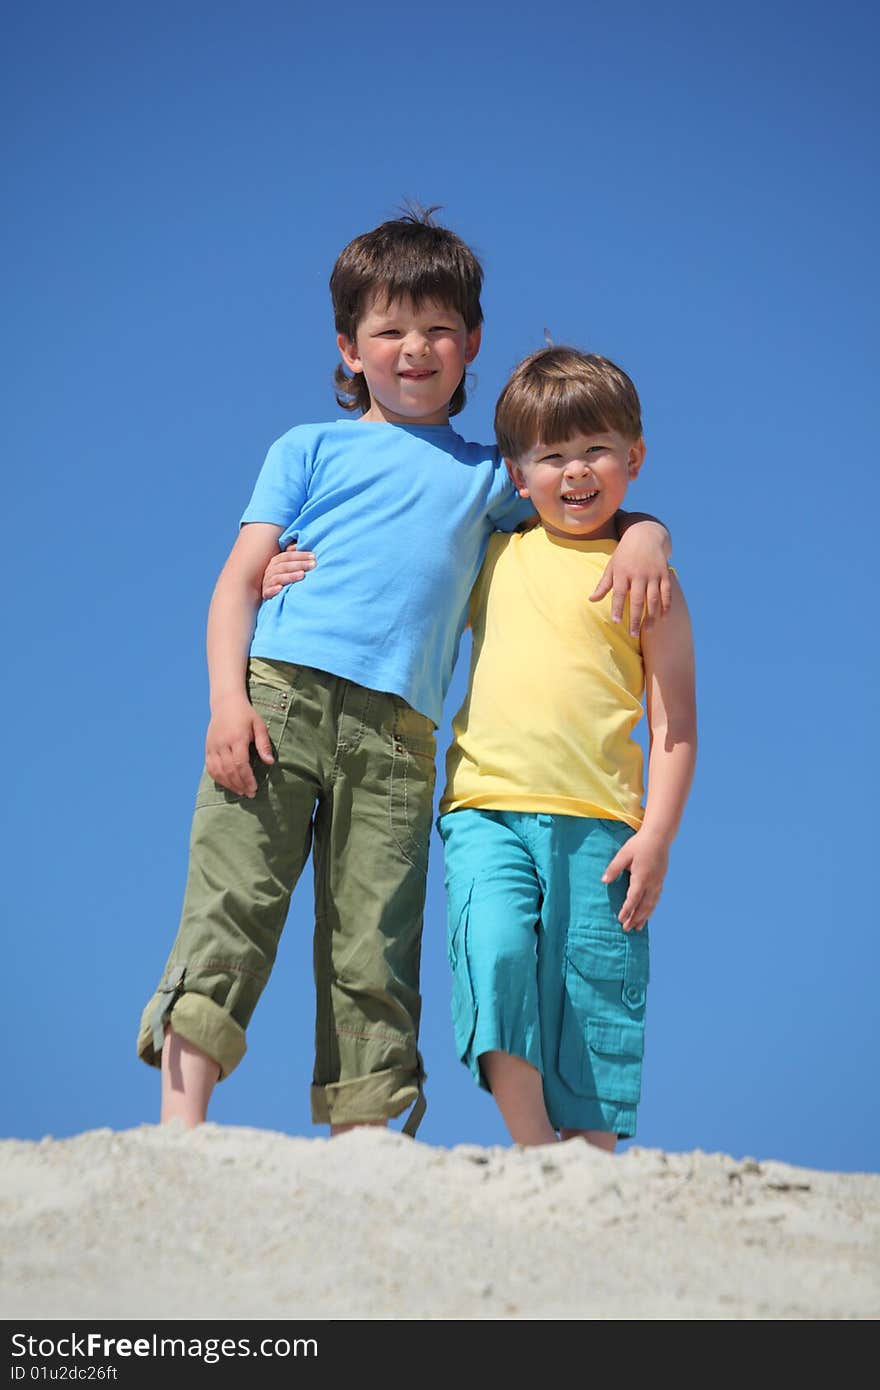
(638, 567)
(286, 568)
(647, 859)
(234, 726)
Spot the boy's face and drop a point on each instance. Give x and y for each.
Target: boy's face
(576, 486)
(412, 358)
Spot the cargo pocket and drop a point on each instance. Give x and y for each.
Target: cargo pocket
(612, 1062)
(464, 1011)
(413, 770)
(273, 706)
(602, 1038)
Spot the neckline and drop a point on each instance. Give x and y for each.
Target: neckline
(400, 425)
(604, 545)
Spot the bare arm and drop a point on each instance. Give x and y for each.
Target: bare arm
(668, 652)
(627, 519)
(639, 566)
(235, 725)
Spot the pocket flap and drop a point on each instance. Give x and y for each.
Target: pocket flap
(602, 953)
(616, 1039)
(596, 955)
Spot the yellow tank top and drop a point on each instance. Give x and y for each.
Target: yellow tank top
(555, 687)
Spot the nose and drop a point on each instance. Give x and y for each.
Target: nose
(577, 468)
(416, 344)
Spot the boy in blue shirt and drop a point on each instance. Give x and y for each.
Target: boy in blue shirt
(322, 724)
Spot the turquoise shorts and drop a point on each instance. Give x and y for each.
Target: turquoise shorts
(542, 968)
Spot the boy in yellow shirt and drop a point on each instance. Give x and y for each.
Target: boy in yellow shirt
(553, 863)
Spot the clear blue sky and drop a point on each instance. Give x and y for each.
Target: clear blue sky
(690, 190)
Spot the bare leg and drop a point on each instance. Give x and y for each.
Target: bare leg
(357, 1124)
(599, 1138)
(519, 1095)
(188, 1079)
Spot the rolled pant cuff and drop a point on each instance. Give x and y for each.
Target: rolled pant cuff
(366, 1099)
(200, 1021)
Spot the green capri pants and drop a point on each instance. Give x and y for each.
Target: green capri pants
(353, 780)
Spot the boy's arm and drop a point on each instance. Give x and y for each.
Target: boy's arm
(668, 652)
(639, 567)
(235, 724)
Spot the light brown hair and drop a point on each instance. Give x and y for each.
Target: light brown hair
(408, 257)
(559, 392)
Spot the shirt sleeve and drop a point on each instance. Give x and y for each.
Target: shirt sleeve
(479, 592)
(282, 487)
(507, 509)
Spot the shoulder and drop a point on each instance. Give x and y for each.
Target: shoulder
(671, 635)
(501, 554)
(499, 544)
(526, 537)
(305, 436)
(473, 452)
(304, 446)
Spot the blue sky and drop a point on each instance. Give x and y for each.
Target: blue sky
(688, 189)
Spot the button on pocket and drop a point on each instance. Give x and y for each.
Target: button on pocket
(634, 996)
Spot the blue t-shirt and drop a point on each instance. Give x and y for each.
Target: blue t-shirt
(398, 517)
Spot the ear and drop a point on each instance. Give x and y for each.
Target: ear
(472, 343)
(636, 458)
(349, 353)
(517, 477)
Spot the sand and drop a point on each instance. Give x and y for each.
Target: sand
(228, 1222)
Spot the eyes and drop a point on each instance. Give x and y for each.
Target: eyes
(399, 332)
(555, 456)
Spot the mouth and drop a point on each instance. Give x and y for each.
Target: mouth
(422, 375)
(579, 500)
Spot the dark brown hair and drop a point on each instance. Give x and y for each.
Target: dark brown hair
(409, 257)
(559, 392)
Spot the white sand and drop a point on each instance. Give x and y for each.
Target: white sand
(243, 1223)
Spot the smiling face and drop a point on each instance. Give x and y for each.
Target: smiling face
(576, 486)
(413, 358)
